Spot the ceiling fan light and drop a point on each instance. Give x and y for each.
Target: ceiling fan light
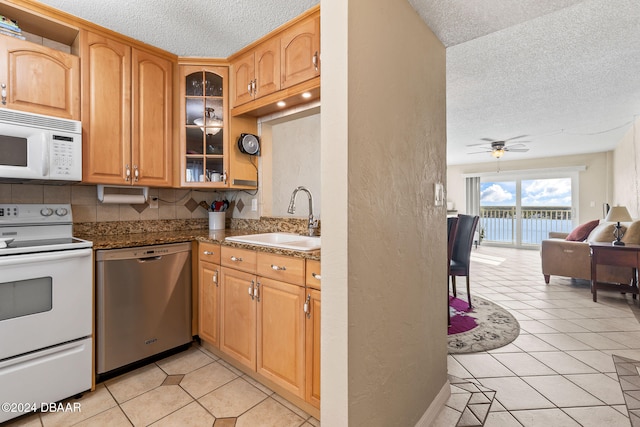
(497, 153)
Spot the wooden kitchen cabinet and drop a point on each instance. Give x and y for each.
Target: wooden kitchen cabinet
(282, 67)
(300, 51)
(209, 293)
(312, 347)
(256, 73)
(313, 274)
(280, 334)
(126, 114)
(262, 318)
(238, 316)
(39, 79)
(209, 156)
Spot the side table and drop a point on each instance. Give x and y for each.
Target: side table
(621, 256)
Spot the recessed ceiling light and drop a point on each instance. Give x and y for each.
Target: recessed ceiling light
(281, 104)
(306, 95)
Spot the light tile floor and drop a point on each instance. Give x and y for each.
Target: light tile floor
(575, 363)
(192, 388)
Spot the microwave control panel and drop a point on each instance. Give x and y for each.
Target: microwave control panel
(65, 151)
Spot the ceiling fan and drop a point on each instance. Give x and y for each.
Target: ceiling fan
(497, 148)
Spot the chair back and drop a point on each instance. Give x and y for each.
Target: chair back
(463, 241)
(452, 226)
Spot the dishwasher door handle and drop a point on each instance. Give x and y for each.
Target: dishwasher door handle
(149, 259)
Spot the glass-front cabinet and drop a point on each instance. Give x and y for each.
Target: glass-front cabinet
(204, 126)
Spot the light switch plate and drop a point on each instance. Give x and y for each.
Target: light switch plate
(153, 202)
(254, 205)
(438, 190)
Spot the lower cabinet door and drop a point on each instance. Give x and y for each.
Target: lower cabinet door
(238, 316)
(313, 348)
(281, 334)
(209, 300)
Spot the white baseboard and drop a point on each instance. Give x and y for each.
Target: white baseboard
(438, 403)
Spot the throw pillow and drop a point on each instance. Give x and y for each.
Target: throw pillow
(632, 235)
(581, 232)
(605, 233)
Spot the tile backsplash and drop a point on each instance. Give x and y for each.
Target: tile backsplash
(172, 203)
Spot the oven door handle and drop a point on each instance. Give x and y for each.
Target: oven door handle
(12, 260)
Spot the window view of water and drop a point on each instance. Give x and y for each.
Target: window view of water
(545, 205)
(499, 223)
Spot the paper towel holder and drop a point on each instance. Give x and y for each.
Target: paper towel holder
(122, 198)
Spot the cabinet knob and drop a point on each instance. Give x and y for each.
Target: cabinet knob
(235, 259)
(127, 173)
(315, 61)
(278, 268)
(207, 253)
(4, 94)
(316, 276)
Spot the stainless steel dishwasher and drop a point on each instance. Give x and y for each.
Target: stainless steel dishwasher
(143, 303)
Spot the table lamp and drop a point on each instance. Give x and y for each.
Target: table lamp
(618, 214)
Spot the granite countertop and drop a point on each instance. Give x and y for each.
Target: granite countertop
(128, 240)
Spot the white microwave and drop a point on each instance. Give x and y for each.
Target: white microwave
(41, 148)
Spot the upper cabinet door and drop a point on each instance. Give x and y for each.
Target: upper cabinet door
(243, 71)
(151, 134)
(39, 79)
(106, 110)
(300, 51)
(267, 66)
(256, 73)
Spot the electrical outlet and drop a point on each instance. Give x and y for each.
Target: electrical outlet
(254, 205)
(153, 202)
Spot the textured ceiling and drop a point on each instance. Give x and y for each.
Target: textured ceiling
(564, 72)
(569, 79)
(207, 28)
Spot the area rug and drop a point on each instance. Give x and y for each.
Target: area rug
(486, 327)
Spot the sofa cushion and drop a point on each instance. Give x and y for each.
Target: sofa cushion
(632, 235)
(581, 232)
(604, 232)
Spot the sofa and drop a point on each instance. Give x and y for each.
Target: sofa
(572, 258)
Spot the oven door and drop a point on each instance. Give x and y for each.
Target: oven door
(45, 299)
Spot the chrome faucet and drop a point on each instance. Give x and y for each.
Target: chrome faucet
(313, 223)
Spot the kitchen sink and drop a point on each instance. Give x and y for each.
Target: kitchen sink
(290, 241)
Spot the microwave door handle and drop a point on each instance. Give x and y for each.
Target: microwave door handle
(45, 161)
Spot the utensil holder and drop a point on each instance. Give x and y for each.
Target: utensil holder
(217, 220)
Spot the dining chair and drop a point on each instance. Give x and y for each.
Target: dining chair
(452, 225)
(461, 254)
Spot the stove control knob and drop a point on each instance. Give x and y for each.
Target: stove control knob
(62, 211)
(46, 211)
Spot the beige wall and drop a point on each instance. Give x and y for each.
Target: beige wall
(595, 183)
(290, 157)
(384, 242)
(626, 181)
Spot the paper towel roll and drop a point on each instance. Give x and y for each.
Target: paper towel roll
(132, 199)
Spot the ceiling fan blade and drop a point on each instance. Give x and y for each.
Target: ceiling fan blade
(477, 145)
(488, 139)
(516, 150)
(516, 137)
(516, 145)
